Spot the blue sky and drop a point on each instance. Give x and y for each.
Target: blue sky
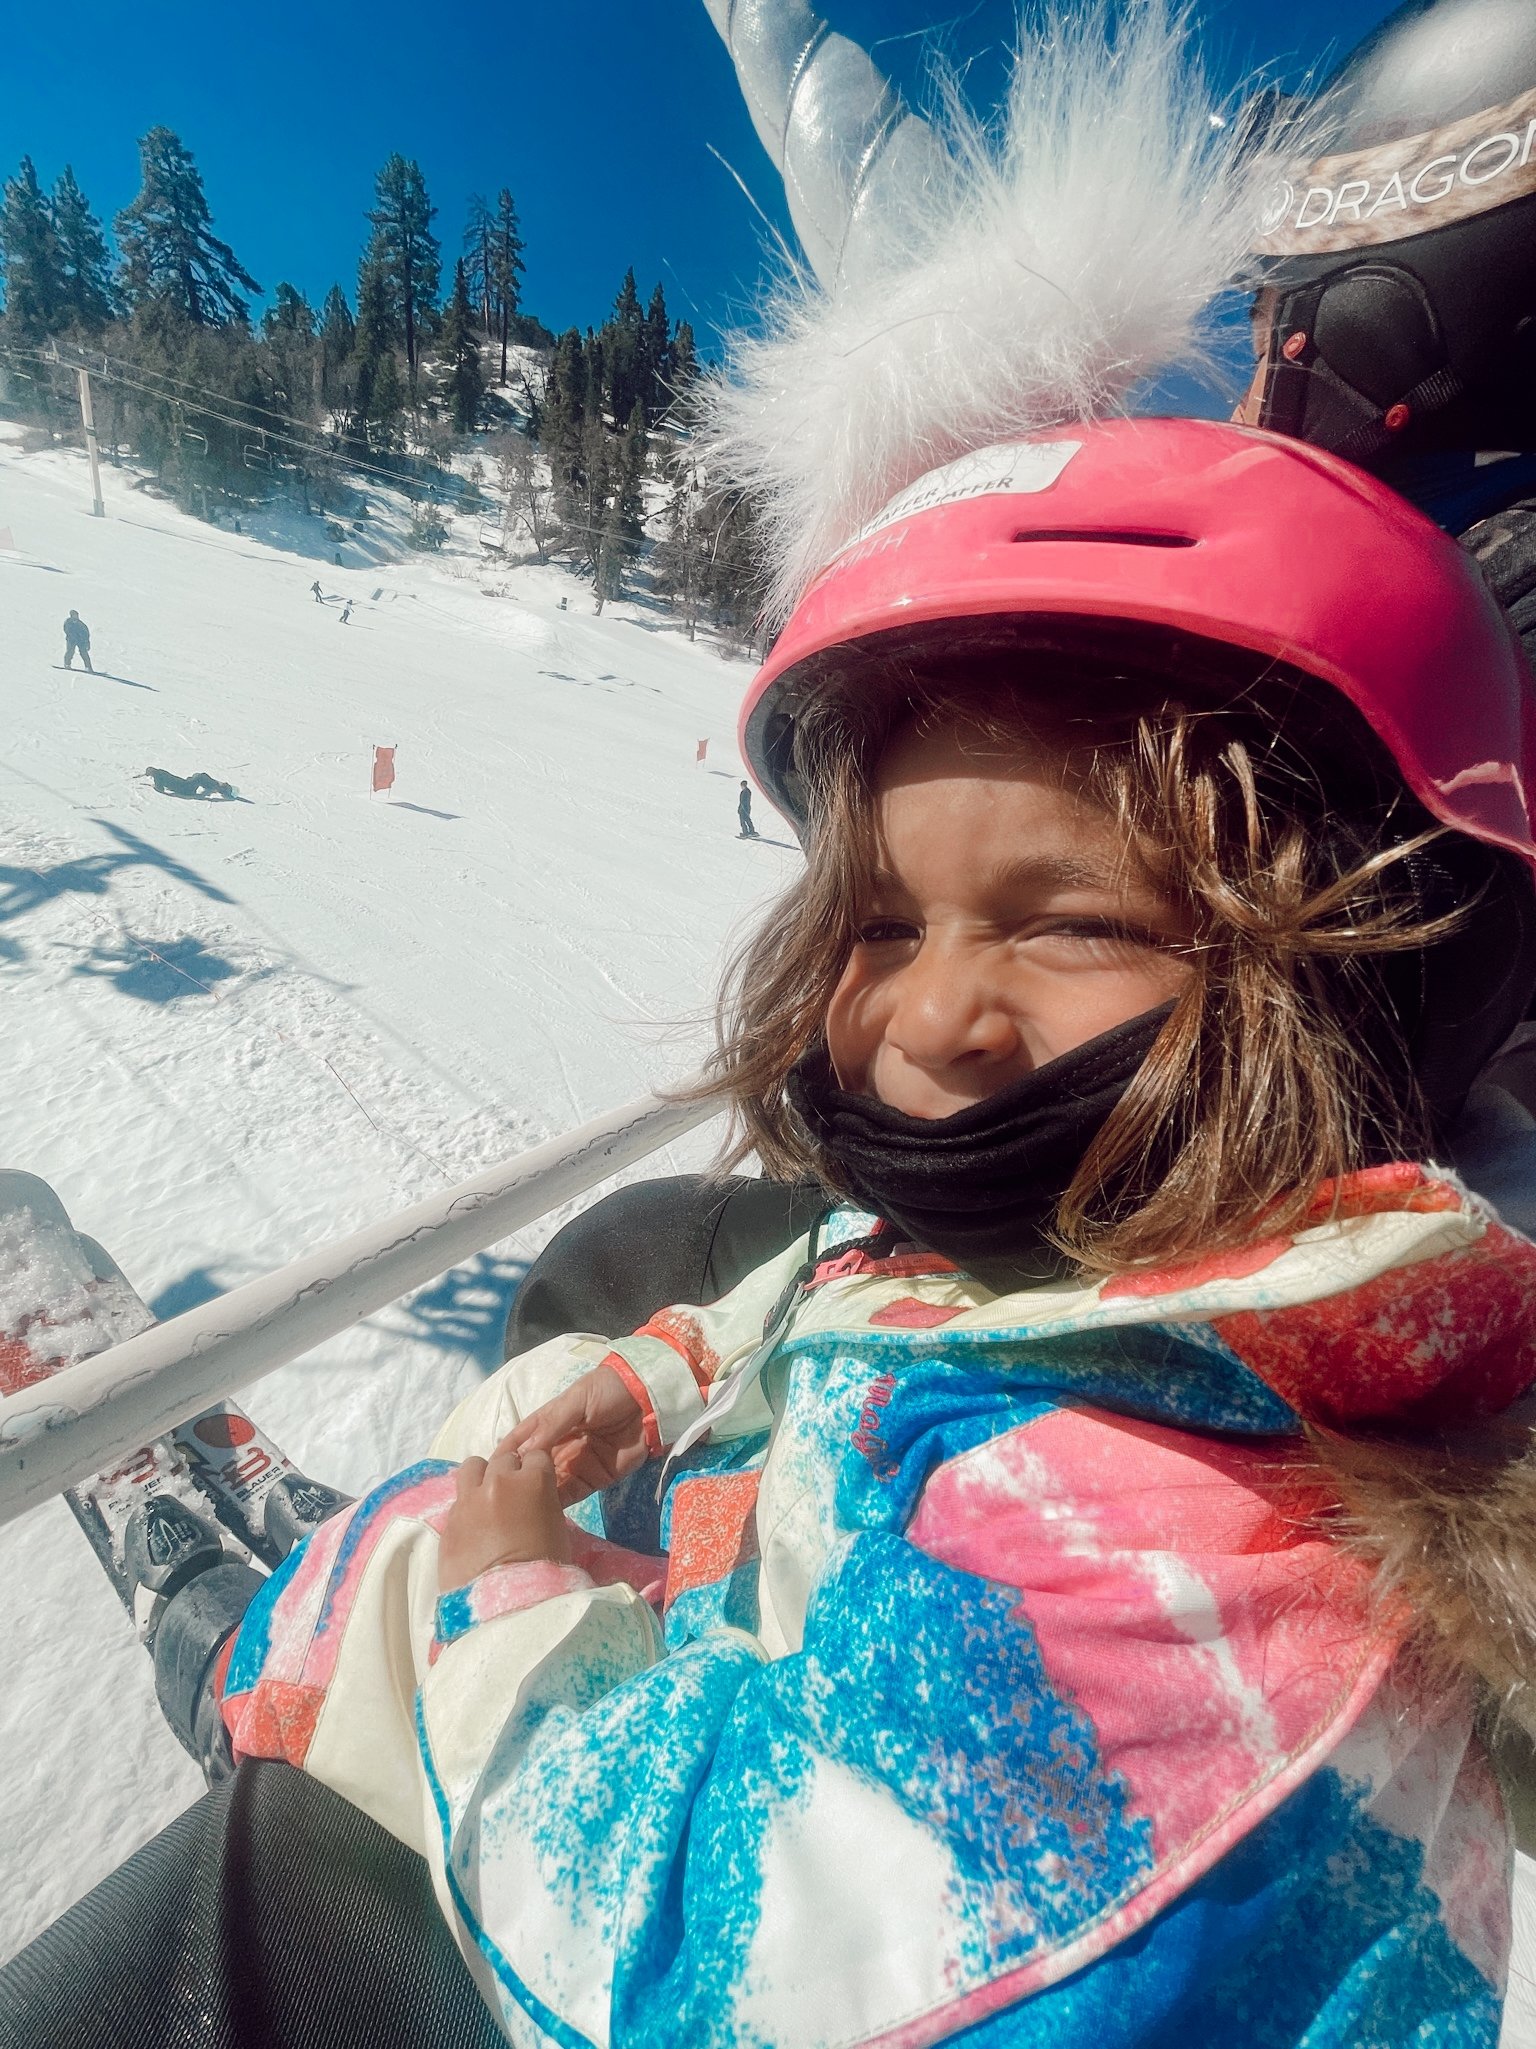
(599, 114)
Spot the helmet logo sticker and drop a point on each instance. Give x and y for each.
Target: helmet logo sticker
(1365, 197)
(1013, 468)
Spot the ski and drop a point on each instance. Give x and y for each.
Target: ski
(63, 1299)
(254, 1488)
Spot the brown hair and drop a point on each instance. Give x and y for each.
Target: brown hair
(1282, 1065)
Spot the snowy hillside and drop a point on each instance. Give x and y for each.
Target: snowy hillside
(234, 1030)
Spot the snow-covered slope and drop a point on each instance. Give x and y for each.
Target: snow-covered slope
(233, 1030)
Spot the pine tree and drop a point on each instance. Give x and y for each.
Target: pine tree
(626, 307)
(733, 574)
(622, 343)
(373, 342)
(595, 360)
(405, 251)
(337, 330)
(172, 260)
(461, 356)
(655, 355)
(683, 367)
(634, 462)
(479, 228)
(682, 555)
(29, 259)
(562, 414)
(336, 335)
(607, 546)
(85, 267)
(387, 401)
(620, 508)
(290, 313)
(337, 326)
(506, 269)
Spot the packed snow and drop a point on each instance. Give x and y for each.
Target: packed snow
(234, 1030)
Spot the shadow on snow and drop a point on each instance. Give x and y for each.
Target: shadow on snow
(466, 1309)
(24, 889)
(191, 1291)
(162, 973)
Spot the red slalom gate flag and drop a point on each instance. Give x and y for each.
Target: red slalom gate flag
(701, 750)
(383, 768)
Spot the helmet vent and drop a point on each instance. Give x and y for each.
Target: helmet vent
(1117, 537)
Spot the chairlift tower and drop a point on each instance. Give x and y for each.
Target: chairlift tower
(88, 423)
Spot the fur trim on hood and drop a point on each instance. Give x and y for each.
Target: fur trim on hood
(1449, 1527)
(1447, 1518)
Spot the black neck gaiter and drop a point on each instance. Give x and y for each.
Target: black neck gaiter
(981, 1187)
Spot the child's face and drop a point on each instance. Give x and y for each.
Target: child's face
(1008, 928)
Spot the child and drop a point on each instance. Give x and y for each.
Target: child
(1083, 1553)
(1081, 1556)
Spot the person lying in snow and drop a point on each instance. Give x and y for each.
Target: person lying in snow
(1060, 1632)
(200, 785)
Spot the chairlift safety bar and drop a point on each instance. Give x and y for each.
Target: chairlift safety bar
(88, 1417)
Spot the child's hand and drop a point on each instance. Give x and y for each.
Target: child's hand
(505, 1511)
(594, 1433)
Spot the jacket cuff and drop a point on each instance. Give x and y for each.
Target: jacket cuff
(663, 1382)
(503, 1590)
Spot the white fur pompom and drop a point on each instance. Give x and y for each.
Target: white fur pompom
(1067, 259)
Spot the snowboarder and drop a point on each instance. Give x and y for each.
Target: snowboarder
(200, 785)
(319, 595)
(747, 831)
(346, 612)
(77, 641)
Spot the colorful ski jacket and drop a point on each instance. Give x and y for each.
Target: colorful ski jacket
(996, 1677)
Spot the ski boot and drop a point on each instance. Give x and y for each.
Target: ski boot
(295, 1509)
(188, 1596)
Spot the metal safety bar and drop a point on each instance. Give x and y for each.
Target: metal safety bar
(63, 1430)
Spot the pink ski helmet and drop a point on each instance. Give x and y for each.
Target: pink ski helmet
(1202, 536)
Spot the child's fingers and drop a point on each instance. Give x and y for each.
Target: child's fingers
(584, 1467)
(550, 1422)
(505, 1459)
(468, 1478)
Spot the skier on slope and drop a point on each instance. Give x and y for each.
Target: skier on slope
(318, 594)
(77, 641)
(745, 828)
